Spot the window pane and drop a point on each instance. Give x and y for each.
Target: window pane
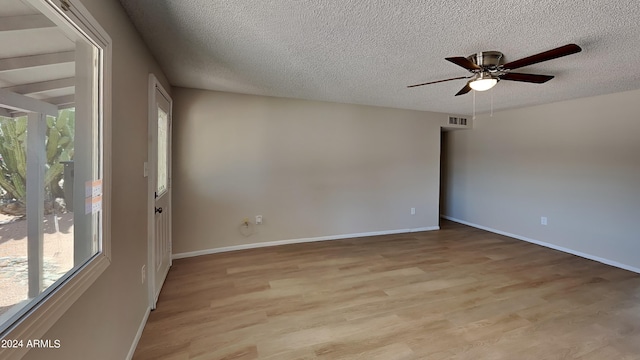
(13, 228)
(163, 148)
(50, 166)
(57, 228)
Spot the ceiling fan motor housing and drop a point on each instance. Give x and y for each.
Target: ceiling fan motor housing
(487, 60)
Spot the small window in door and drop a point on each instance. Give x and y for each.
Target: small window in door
(163, 149)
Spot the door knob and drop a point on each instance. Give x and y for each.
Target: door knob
(158, 210)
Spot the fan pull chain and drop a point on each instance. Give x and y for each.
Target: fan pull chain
(474, 105)
(491, 102)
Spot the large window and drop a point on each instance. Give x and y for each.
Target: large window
(54, 178)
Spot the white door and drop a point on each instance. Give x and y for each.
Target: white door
(160, 184)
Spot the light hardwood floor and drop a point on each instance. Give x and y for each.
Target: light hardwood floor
(456, 293)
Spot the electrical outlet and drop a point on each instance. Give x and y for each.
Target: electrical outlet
(143, 272)
(543, 220)
(413, 211)
(258, 219)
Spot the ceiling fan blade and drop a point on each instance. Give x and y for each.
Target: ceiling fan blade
(544, 56)
(438, 81)
(464, 62)
(464, 90)
(531, 78)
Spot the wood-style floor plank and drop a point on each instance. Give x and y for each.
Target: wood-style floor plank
(456, 293)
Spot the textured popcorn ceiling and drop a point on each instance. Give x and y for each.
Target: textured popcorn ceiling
(367, 52)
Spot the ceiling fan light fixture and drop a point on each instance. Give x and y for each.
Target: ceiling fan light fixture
(483, 82)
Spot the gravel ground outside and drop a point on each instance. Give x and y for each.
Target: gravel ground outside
(58, 255)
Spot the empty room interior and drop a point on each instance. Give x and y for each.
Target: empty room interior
(319, 179)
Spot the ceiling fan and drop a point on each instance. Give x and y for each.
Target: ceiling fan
(488, 67)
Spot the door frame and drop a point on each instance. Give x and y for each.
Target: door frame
(154, 85)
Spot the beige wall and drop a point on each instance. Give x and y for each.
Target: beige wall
(576, 162)
(103, 322)
(310, 168)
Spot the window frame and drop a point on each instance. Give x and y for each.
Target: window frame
(44, 314)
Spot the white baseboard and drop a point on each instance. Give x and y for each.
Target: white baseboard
(132, 350)
(545, 244)
(297, 241)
